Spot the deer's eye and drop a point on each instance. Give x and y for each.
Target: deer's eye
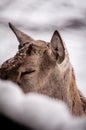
(27, 72)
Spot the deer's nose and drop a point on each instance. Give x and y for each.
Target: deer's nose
(3, 74)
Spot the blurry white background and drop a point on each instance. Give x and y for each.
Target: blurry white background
(39, 18)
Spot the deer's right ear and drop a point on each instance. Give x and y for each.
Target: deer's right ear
(58, 46)
(22, 38)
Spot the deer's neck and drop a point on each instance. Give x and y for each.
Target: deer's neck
(74, 101)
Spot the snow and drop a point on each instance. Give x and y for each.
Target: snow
(35, 110)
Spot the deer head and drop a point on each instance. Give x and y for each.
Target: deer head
(43, 67)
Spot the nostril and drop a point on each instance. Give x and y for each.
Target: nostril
(18, 83)
(3, 75)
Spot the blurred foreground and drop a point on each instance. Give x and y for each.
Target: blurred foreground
(39, 18)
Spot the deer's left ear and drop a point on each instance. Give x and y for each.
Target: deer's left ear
(22, 37)
(58, 46)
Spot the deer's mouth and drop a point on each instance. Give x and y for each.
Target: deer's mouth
(30, 71)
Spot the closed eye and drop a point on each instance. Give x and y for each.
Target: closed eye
(27, 72)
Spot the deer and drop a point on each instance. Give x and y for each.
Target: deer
(45, 68)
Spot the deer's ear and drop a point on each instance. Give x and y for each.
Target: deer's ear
(22, 38)
(58, 46)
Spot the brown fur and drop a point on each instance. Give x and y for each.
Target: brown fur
(45, 68)
(75, 102)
